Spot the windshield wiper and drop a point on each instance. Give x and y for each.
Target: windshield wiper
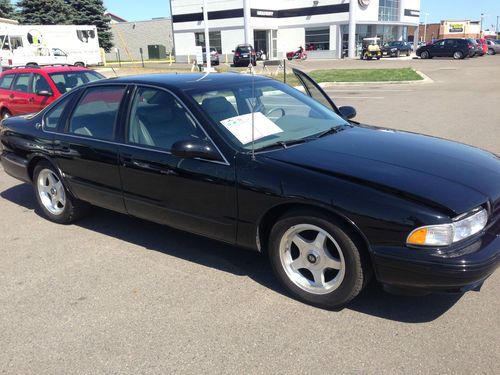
(282, 144)
(332, 130)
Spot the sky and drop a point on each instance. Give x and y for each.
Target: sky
(135, 10)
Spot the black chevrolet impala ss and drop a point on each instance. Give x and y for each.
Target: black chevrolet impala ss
(252, 162)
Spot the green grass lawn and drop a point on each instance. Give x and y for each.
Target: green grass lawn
(357, 75)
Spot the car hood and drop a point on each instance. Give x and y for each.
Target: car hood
(445, 174)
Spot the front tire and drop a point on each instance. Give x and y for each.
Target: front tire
(317, 259)
(80, 64)
(425, 55)
(491, 51)
(6, 114)
(56, 203)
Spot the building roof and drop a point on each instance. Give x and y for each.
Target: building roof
(114, 17)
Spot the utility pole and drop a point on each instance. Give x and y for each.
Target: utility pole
(481, 28)
(207, 35)
(497, 27)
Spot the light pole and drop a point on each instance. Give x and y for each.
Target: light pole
(425, 27)
(207, 35)
(481, 27)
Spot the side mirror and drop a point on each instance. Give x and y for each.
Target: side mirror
(195, 148)
(232, 50)
(44, 93)
(348, 112)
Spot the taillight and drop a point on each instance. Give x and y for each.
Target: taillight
(470, 46)
(237, 54)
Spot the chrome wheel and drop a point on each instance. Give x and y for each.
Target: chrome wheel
(51, 191)
(457, 55)
(5, 115)
(312, 259)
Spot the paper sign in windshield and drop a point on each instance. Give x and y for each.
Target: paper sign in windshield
(241, 127)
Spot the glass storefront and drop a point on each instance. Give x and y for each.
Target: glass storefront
(386, 33)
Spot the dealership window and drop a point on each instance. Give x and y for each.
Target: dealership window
(388, 10)
(317, 39)
(215, 40)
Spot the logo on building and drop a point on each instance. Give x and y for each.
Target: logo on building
(456, 28)
(364, 3)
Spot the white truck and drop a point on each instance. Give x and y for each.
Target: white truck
(22, 45)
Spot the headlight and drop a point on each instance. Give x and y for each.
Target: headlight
(446, 234)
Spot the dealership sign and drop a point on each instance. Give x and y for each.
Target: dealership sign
(456, 27)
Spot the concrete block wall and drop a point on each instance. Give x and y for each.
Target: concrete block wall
(129, 37)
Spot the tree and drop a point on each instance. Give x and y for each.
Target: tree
(7, 10)
(44, 12)
(91, 12)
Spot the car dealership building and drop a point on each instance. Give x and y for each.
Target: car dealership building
(324, 27)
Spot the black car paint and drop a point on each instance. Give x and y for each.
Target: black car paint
(392, 49)
(381, 182)
(447, 49)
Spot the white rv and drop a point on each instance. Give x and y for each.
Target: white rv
(49, 44)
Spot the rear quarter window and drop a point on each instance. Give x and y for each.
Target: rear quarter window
(6, 81)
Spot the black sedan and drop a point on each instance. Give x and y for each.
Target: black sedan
(255, 163)
(396, 49)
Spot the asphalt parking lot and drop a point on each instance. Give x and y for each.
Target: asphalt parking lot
(113, 294)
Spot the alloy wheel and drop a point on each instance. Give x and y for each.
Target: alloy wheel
(312, 259)
(51, 192)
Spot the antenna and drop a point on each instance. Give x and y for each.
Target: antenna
(253, 109)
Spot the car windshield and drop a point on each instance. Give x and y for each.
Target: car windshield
(66, 81)
(281, 114)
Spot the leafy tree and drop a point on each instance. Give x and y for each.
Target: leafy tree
(44, 12)
(7, 10)
(91, 12)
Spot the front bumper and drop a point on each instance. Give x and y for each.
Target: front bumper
(459, 269)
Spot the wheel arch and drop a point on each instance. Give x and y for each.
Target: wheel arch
(33, 160)
(273, 215)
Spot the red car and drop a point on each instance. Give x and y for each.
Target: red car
(30, 89)
(482, 43)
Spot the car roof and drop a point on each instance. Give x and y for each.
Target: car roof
(46, 69)
(188, 81)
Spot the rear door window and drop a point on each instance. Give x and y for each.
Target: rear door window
(96, 112)
(6, 81)
(53, 116)
(22, 82)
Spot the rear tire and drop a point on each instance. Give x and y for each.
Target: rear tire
(56, 203)
(318, 259)
(458, 55)
(491, 51)
(408, 53)
(80, 64)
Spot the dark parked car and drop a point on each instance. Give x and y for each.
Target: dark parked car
(244, 55)
(396, 49)
(454, 47)
(258, 164)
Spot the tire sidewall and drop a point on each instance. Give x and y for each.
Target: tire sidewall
(353, 280)
(425, 55)
(458, 55)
